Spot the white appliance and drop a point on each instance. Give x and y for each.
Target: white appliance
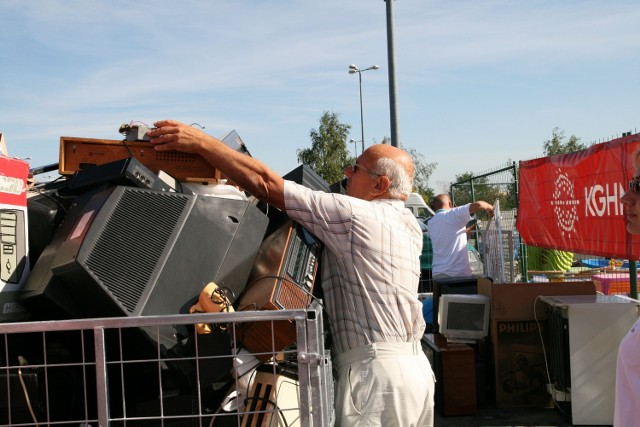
(594, 327)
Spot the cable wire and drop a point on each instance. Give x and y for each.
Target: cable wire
(23, 362)
(544, 355)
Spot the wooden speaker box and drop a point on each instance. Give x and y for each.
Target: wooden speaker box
(80, 153)
(282, 278)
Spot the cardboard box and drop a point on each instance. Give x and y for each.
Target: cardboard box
(515, 301)
(14, 239)
(517, 333)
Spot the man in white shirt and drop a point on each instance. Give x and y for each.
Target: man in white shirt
(448, 232)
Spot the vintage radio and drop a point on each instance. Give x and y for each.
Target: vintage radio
(80, 153)
(282, 278)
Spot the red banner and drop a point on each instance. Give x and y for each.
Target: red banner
(572, 201)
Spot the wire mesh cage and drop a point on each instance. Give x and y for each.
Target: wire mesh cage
(114, 372)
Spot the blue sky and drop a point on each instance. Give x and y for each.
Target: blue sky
(479, 83)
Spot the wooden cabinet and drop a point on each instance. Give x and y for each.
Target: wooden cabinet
(454, 367)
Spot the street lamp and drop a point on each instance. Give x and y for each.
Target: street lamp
(355, 146)
(352, 70)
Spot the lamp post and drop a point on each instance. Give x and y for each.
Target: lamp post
(393, 93)
(352, 70)
(355, 146)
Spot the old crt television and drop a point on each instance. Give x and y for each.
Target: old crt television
(129, 251)
(464, 318)
(451, 285)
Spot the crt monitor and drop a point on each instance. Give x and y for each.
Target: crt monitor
(128, 251)
(464, 318)
(451, 285)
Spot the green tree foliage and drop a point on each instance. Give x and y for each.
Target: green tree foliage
(328, 155)
(468, 189)
(423, 171)
(512, 189)
(556, 144)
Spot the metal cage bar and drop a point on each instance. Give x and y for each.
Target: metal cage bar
(103, 367)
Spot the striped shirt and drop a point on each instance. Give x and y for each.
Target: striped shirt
(370, 265)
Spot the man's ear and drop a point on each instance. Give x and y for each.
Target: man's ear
(382, 184)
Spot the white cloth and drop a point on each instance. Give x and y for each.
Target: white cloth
(385, 384)
(627, 394)
(447, 229)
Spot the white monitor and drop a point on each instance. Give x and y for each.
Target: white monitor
(464, 317)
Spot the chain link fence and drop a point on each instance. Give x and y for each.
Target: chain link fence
(498, 187)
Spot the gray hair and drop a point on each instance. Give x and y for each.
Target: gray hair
(401, 183)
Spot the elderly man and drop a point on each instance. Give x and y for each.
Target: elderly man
(370, 272)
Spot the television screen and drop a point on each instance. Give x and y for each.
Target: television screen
(464, 318)
(451, 285)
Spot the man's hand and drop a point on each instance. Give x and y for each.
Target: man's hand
(171, 135)
(481, 205)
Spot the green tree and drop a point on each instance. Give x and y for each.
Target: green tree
(423, 171)
(328, 155)
(466, 188)
(512, 189)
(556, 144)
(469, 189)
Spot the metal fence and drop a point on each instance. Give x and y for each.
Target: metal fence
(112, 372)
(501, 186)
(520, 262)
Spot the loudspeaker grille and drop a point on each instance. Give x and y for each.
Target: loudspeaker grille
(139, 227)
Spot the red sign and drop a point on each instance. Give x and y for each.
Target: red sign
(13, 235)
(13, 181)
(572, 201)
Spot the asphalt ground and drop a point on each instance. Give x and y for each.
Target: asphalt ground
(490, 417)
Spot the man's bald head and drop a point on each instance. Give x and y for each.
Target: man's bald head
(441, 201)
(396, 154)
(395, 164)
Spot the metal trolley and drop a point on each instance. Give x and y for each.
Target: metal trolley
(115, 371)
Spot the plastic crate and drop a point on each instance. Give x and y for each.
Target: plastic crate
(613, 283)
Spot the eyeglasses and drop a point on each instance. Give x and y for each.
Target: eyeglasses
(356, 166)
(634, 185)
